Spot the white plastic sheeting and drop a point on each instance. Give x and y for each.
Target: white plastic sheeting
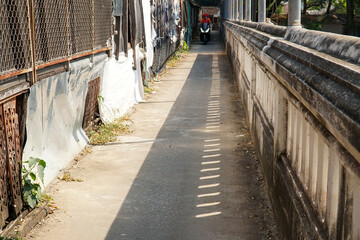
(56, 104)
(55, 114)
(148, 33)
(174, 20)
(121, 86)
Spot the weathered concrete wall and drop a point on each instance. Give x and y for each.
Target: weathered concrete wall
(301, 90)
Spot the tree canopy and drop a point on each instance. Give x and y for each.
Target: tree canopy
(344, 10)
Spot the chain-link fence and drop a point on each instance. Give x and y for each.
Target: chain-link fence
(165, 28)
(51, 38)
(63, 29)
(15, 42)
(36, 34)
(164, 49)
(81, 17)
(102, 28)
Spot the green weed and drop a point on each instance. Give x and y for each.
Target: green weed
(50, 202)
(105, 133)
(172, 60)
(11, 238)
(30, 180)
(150, 89)
(184, 47)
(68, 178)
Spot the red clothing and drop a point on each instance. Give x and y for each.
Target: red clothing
(207, 20)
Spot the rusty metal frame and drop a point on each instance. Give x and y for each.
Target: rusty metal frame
(91, 103)
(13, 153)
(17, 73)
(68, 58)
(32, 32)
(90, 53)
(4, 198)
(72, 58)
(11, 200)
(10, 155)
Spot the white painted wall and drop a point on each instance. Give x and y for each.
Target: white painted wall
(317, 163)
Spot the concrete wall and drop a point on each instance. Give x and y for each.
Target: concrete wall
(301, 92)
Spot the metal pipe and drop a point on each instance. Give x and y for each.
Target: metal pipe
(294, 13)
(146, 72)
(189, 23)
(32, 27)
(262, 10)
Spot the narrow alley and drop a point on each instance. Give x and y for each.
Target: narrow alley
(187, 171)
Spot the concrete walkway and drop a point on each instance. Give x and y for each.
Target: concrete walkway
(186, 172)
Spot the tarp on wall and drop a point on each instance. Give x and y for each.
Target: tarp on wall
(121, 86)
(55, 114)
(148, 33)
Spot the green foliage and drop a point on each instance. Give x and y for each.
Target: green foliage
(105, 133)
(340, 6)
(32, 173)
(184, 47)
(316, 4)
(172, 60)
(313, 25)
(100, 98)
(357, 6)
(150, 89)
(279, 9)
(68, 178)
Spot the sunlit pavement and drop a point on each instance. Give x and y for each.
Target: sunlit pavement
(186, 172)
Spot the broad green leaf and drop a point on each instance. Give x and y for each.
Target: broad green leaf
(33, 161)
(33, 176)
(40, 170)
(32, 190)
(31, 200)
(28, 184)
(27, 193)
(42, 163)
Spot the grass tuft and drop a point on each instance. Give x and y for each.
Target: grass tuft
(105, 133)
(68, 178)
(150, 89)
(173, 60)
